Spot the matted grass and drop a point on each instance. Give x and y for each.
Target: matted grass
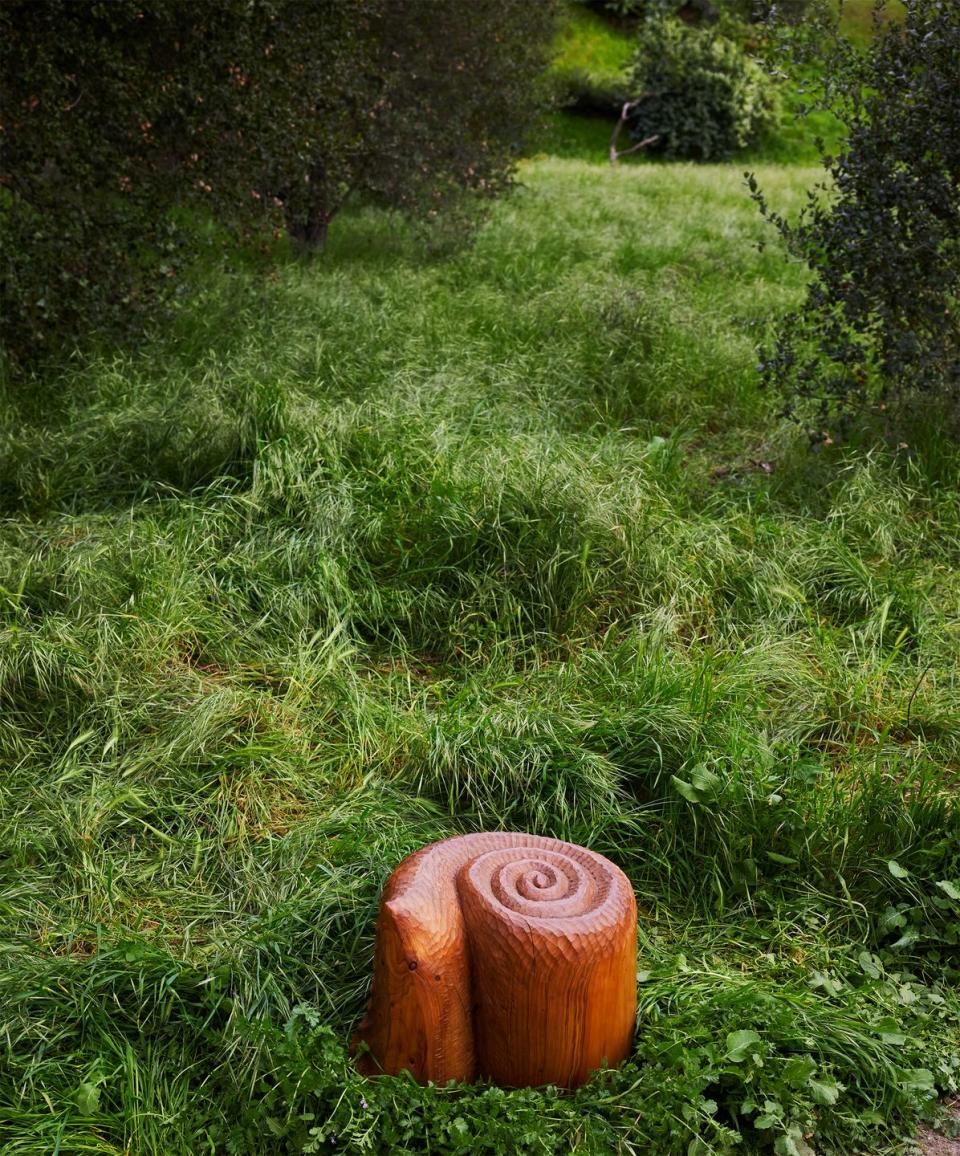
(398, 546)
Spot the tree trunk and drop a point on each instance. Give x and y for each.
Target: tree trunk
(505, 956)
(309, 235)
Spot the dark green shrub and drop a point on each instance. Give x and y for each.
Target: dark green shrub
(695, 11)
(117, 114)
(698, 92)
(880, 327)
(762, 11)
(125, 125)
(449, 97)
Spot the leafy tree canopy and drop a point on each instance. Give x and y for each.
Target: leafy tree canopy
(116, 114)
(880, 327)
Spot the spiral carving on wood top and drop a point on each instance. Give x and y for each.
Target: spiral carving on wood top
(503, 955)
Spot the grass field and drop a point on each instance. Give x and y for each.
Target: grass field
(405, 544)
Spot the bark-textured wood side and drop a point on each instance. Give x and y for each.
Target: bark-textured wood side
(506, 956)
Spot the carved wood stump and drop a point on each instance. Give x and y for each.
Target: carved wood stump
(505, 956)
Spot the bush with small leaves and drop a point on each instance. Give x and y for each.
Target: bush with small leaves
(450, 95)
(125, 125)
(880, 327)
(770, 11)
(698, 92)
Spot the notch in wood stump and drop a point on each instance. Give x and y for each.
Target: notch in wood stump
(503, 956)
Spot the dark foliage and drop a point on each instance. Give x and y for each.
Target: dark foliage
(125, 124)
(697, 11)
(770, 11)
(446, 103)
(880, 327)
(114, 114)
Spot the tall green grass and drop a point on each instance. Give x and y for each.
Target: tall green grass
(401, 545)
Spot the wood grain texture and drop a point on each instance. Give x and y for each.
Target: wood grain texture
(506, 956)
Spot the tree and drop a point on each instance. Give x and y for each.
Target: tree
(116, 113)
(880, 326)
(123, 123)
(450, 96)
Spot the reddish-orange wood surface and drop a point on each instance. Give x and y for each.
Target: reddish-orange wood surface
(506, 956)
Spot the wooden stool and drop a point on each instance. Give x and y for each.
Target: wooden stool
(503, 956)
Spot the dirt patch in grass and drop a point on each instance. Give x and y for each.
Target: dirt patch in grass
(935, 1143)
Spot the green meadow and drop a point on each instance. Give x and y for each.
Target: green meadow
(414, 541)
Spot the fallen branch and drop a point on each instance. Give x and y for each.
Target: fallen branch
(629, 106)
